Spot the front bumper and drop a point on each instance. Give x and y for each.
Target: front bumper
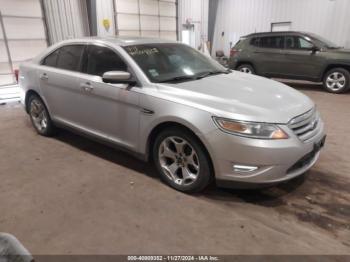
(276, 160)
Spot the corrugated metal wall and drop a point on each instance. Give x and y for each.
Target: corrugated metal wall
(152, 18)
(66, 19)
(197, 11)
(105, 10)
(328, 18)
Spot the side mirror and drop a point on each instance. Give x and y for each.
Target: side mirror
(314, 49)
(117, 77)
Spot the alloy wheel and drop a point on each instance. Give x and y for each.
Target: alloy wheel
(38, 115)
(179, 160)
(246, 70)
(336, 81)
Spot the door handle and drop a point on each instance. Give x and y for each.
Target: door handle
(87, 87)
(44, 76)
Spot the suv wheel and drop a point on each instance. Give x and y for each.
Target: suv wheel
(40, 116)
(337, 80)
(246, 68)
(181, 161)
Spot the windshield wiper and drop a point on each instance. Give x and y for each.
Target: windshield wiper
(196, 76)
(210, 73)
(179, 78)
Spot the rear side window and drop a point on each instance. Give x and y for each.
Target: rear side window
(272, 42)
(291, 42)
(69, 57)
(51, 59)
(255, 41)
(101, 60)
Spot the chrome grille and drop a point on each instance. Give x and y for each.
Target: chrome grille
(306, 125)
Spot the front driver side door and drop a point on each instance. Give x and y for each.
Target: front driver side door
(300, 61)
(109, 111)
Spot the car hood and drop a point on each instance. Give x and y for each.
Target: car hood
(240, 96)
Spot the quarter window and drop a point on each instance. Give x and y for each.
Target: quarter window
(101, 60)
(51, 59)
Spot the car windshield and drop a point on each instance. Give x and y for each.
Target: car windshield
(323, 42)
(173, 62)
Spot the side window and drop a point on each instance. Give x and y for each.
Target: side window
(291, 42)
(51, 59)
(69, 57)
(303, 44)
(272, 42)
(255, 41)
(101, 60)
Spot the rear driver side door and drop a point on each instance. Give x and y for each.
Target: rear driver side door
(58, 82)
(268, 53)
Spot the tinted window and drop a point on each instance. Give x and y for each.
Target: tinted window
(51, 59)
(272, 42)
(255, 41)
(102, 59)
(69, 57)
(291, 42)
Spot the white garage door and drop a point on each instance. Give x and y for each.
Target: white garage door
(150, 18)
(23, 37)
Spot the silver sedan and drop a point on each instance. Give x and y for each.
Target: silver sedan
(166, 102)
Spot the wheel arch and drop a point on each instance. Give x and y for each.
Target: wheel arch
(29, 93)
(333, 66)
(243, 62)
(173, 124)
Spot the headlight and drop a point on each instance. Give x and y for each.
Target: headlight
(251, 129)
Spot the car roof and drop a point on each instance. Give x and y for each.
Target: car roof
(276, 33)
(121, 40)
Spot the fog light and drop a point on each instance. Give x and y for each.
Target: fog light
(244, 169)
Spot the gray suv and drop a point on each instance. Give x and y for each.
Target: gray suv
(293, 55)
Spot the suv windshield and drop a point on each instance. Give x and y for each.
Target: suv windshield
(322, 42)
(173, 62)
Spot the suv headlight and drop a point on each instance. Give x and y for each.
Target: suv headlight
(250, 129)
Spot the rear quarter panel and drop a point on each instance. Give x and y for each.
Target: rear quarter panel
(29, 80)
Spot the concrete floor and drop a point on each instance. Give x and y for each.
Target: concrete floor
(68, 195)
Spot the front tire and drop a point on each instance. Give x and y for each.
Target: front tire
(246, 68)
(181, 160)
(337, 81)
(40, 117)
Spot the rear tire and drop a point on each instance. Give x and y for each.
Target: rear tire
(337, 80)
(181, 160)
(246, 68)
(40, 117)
